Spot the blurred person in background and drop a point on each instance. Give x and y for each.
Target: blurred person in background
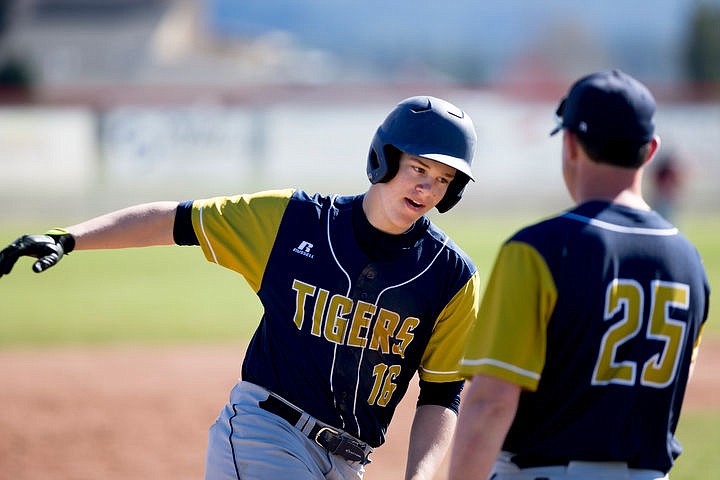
(591, 319)
(667, 176)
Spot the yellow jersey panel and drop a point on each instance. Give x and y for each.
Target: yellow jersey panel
(440, 361)
(521, 295)
(239, 232)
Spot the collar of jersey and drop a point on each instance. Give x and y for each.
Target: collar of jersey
(379, 245)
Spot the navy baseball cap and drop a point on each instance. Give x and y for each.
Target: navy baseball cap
(608, 105)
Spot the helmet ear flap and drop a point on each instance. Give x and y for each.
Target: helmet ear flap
(383, 162)
(374, 172)
(392, 162)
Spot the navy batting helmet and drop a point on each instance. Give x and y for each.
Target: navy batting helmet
(426, 127)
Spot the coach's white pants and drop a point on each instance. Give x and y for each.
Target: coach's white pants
(504, 469)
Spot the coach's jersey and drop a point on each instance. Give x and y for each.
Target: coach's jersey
(597, 314)
(341, 335)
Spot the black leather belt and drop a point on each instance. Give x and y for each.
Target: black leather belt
(529, 461)
(331, 439)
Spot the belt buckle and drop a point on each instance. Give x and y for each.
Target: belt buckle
(344, 445)
(323, 430)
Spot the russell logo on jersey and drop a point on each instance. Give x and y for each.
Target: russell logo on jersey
(304, 249)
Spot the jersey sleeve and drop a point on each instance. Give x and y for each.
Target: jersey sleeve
(440, 360)
(238, 232)
(696, 345)
(509, 338)
(446, 394)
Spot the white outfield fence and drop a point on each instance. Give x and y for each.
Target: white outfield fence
(90, 160)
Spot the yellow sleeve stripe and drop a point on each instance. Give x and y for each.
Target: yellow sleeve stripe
(436, 372)
(205, 236)
(526, 379)
(696, 346)
(499, 364)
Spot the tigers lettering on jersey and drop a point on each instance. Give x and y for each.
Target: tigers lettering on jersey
(344, 321)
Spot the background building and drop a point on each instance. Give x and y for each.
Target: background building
(148, 98)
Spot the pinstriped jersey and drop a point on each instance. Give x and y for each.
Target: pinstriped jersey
(342, 334)
(597, 314)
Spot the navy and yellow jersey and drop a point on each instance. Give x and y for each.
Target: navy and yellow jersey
(597, 314)
(342, 332)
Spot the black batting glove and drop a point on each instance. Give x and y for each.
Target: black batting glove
(47, 248)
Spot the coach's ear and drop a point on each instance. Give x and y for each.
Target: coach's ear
(654, 148)
(571, 146)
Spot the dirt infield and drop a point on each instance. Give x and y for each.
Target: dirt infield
(143, 412)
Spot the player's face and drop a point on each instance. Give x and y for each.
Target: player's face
(418, 186)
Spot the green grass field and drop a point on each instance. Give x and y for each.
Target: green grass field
(173, 295)
(699, 434)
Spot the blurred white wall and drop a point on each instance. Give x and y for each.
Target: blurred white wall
(47, 150)
(92, 160)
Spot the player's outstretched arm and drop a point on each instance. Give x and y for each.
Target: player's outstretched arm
(138, 226)
(144, 225)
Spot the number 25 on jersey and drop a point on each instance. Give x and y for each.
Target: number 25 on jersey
(626, 297)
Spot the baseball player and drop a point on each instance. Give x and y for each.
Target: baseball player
(591, 319)
(359, 293)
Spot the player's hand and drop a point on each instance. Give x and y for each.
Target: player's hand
(48, 249)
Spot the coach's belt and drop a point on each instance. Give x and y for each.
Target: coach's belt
(580, 466)
(331, 439)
